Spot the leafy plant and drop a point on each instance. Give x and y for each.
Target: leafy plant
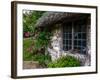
(42, 59)
(65, 61)
(29, 19)
(43, 39)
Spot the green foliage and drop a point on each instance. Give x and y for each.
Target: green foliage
(27, 55)
(29, 19)
(43, 39)
(42, 59)
(65, 61)
(27, 42)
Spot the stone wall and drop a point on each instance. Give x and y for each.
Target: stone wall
(88, 60)
(55, 47)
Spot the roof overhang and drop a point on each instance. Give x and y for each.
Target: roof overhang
(51, 18)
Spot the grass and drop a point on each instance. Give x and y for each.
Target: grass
(27, 54)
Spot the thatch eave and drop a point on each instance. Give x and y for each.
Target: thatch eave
(50, 18)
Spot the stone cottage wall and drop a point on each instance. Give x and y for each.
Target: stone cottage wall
(88, 58)
(88, 36)
(55, 48)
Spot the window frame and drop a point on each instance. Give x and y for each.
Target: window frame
(72, 28)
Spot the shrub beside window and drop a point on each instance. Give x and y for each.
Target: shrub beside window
(65, 61)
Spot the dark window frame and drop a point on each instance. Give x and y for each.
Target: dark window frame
(75, 43)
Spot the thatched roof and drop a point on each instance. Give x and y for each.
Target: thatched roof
(50, 18)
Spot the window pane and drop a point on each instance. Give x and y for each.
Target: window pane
(79, 35)
(69, 42)
(84, 43)
(79, 43)
(66, 36)
(66, 42)
(84, 36)
(69, 47)
(66, 48)
(70, 36)
(75, 42)
(75, 35)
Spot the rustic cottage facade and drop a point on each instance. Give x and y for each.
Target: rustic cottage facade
(71, 35)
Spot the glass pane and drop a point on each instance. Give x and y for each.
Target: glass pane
(84, 36)
(66, 42)
(66, 36)
(69, 47)
(66, 48)
(84, 43)
(79, 35)
(75, 42)
(79, 43)
(70, 36)
(69, 42)
(75, 35)
(63, 42)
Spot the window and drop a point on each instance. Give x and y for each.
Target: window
(74, 36)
